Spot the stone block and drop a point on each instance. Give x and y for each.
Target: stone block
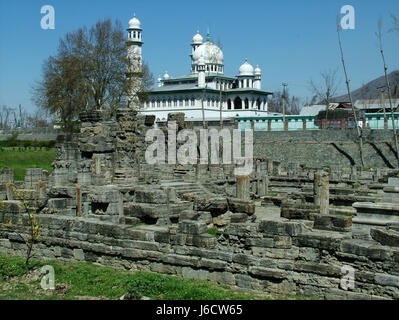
(385, 237)
(273, 227)
(238, 217)
(192, 227)
(216, 206)
(387, 280)
(333, 223)
(143, 210)
(14, 206)
(241, 206)
(151, 196)
(268, 273)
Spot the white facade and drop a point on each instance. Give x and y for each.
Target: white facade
(206, 91)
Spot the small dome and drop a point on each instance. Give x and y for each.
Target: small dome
(246, 69)
(211, 53)
(134, 23)
(166, 76)
(258, 70)
(198, 39)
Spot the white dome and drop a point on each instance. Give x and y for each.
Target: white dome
(258, 70)
(198, 39)
(210, 52)
(246, 69)
(134, 23)
(166, 76)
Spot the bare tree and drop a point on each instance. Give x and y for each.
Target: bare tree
(292, 104)
(379, 36)
(358, 130)
(395, 22)
(327, 89)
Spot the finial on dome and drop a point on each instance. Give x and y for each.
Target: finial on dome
(208, 35)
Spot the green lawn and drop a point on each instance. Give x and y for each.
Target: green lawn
(20, 159)
(89, 281)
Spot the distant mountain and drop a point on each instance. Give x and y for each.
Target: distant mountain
(371, 91)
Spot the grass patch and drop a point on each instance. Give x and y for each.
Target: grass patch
(21, 159)
(88, 281)
(163, 287)
(213, 232)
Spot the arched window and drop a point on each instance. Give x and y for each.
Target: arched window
(246, 103)
(237, 103)
(258, 103)
(180, 102)
(163, 103)
(175, 102)
(169, 103)
(192, 102)
(229, 104)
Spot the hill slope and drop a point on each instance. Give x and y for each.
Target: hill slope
(371, 91)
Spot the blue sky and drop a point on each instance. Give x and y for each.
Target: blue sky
(291, 40)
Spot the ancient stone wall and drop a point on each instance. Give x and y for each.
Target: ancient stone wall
(277, 256)
(327, 147)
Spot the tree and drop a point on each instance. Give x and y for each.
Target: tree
(147, 82)
(379, 36)
(5, 113)
(89, 72)
(29, 230)
(292, 104)
(395, 22)
(327, 89)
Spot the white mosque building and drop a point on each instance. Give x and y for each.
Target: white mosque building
(205, 91)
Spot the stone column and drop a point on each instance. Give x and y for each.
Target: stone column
(242, 187)
(10, 191)
(353, 175)
(262, 185)
(78, 200)
(270, 166)
(321, 191)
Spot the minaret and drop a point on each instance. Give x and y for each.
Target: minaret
(257, 80)
(201, 72)
(197, 41)
(134, 43)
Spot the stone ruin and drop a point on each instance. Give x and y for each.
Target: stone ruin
(285, 229)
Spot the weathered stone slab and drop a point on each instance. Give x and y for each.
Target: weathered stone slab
(268, 273)
(192, 227)
(151, 196)
(333, 223)
(141, 210)
(241, 206)
(284, 228)
(216, 206)
(385, 237)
